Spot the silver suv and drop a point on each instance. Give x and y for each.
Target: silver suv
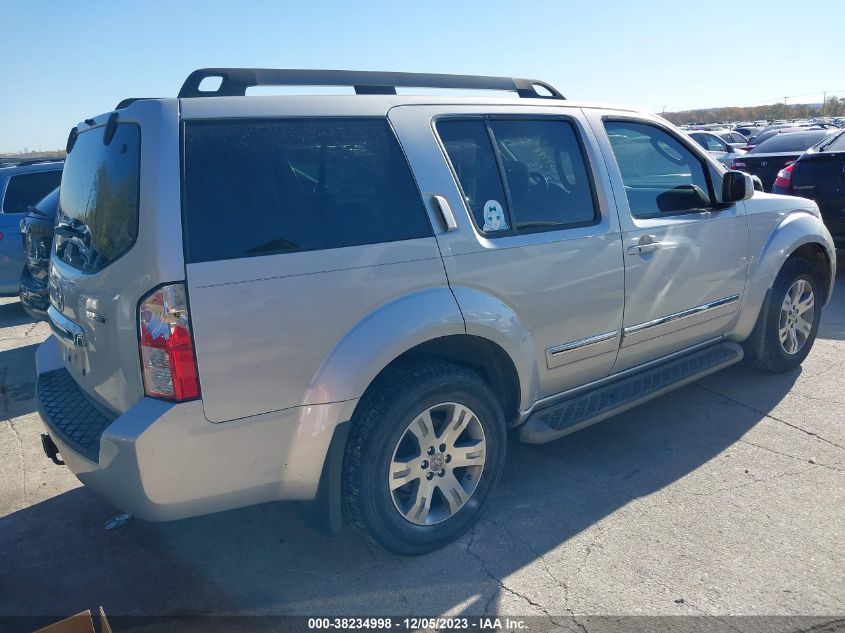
(351, 299)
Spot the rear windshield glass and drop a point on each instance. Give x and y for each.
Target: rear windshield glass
(791, 142)
(24, 190)
(98, 203)
(264, 187)
(837, 144)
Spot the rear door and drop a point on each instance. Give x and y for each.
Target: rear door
(536, 249)
(117, 237)
(685, 257)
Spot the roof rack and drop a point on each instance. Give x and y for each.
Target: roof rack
(36, 161)
(235, 81)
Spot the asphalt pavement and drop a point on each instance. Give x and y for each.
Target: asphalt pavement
(724, 497)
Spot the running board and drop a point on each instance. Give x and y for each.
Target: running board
(585, 409)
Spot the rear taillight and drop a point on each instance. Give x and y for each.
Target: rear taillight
(747, 148)
(737, 164)
(167, 346)
(784, 178)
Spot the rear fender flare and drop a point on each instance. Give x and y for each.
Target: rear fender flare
(379, 338)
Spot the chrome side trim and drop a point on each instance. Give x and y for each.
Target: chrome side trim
(683, 314)
(574, 391)
(582, 349)
(65, 328)
(584, 342)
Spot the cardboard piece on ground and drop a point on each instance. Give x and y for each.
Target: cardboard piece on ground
(79, 623)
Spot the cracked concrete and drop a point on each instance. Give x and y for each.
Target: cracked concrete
(725, 497)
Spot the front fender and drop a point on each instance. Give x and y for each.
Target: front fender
(381, 337)
(792, 231)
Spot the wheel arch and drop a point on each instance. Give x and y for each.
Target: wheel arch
(479, 354)
(798, 235)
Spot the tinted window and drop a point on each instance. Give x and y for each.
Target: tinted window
(546, 174)
(837, 145)
(660, 174)
(548, 186)
(471, 153)
(793, 142)
(699, 138)
(98, 203)
(263, 187)
(26, 189)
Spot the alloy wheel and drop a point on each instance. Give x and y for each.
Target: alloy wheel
(796, 317)
(437, 463)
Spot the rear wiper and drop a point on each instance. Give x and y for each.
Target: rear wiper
(67, 230)
(826, 145)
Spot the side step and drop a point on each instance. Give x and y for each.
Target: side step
(603, 402)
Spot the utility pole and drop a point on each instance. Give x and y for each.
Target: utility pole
(824, 102)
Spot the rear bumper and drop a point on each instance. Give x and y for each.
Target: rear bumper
(162, 461)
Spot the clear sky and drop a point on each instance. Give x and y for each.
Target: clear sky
(62, 61)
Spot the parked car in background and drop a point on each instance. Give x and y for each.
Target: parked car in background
(37, 229)
(819, 174)
(721, 150)
(770, 132)
(750, 131)
(21, 186)
(733, 138)
(354, 298)
(772, 155)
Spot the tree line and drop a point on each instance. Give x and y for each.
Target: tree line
(833, 107)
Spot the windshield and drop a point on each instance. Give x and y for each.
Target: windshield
(98, 203)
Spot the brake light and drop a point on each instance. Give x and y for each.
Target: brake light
(784, 178)
(737, 164)
(168, 364)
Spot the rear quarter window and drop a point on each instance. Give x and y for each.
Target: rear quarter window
(24, 190)
(262, 187)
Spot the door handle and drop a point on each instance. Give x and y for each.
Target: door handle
(647, 244)
(446, 213)
(639, 249)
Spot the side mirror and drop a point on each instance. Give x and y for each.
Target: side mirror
(736, 186)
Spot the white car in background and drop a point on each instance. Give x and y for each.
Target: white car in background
(718, 148)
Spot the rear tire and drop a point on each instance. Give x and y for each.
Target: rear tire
(426, 448)
(791, 320)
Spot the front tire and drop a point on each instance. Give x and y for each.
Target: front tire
(426, 449)
(791, 321)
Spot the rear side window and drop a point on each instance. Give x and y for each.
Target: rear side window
(546, 184)
(97, 220)
(260, 187)
(714, 143)
(660, 174)
(26, 189)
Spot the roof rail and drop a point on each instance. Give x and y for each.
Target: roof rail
(235, 81)
(36, 161)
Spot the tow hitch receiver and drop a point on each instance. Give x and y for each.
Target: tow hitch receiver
(50, 449)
